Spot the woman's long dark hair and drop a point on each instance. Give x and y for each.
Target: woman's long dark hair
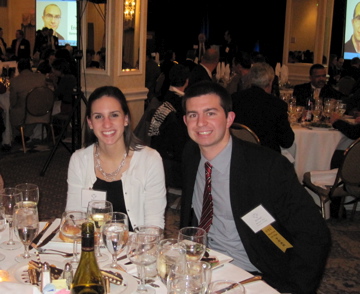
(131, 141)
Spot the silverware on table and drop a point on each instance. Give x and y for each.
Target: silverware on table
(234, 285)
(54, 252)
(48, 238)
(42, 232)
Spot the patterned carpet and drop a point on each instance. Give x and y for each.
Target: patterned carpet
(343, 267)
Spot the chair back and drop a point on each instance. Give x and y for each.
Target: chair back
(345, 85)
(39, 105)
(349, 171)
(245, 133)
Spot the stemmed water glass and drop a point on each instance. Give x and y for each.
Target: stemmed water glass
(115, 234)
(195, 241)
(142, 250)
(150, 271)
(30, 193)
(9, 197)
(26, 223)
(317, 112)
(70, 227)
(2, 226)
(99, 212)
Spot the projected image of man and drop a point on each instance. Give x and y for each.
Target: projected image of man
(353, 45)
(51, 18)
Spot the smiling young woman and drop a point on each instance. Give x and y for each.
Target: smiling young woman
(115, 161)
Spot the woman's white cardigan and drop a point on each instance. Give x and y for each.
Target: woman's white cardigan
(143, 185)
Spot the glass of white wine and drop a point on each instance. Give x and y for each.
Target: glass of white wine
(340, 108)
(195, 240)
(99, 212)
(115, 234)
(2, 226)
(70, 227)
(26, 224)
(317, 112)
(30, 194)
(9, 197)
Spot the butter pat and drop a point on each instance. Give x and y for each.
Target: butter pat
(59, 284)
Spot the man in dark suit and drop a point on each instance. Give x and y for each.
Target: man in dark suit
(255, 193)
(204, 70)
(262, 112)
(2, 46)
(317, 87)
(20, 46)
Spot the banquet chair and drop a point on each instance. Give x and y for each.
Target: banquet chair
(245, 133)
(38, 109)
(345, 85)
(347, 181)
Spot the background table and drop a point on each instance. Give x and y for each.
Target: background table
(313, 149)
(228, 271)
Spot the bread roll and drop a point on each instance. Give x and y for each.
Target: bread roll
(69, 230)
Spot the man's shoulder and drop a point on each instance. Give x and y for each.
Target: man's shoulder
(349, 46)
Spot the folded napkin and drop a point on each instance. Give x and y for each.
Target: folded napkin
(323, 178)
(10, 287)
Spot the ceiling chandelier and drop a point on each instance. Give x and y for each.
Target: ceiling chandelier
(129, 9)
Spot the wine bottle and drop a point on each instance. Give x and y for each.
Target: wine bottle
(309, 107)
(88, 278)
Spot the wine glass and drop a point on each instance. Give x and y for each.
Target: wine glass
(30, 194)
(2, 226)
(150, 271)
(26, 223)
(195, 241)
(99, 212)
(9, 197)
(318, 108)
(299, 112)
(70, 227)
(328, 109)
(115, 234)
(340, 108)
(142, 250)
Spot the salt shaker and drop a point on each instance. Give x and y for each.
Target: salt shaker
(68, 274)
(45, 275)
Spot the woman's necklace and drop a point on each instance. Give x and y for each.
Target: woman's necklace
(108, 176)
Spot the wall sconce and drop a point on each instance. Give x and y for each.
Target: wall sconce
(129, 9)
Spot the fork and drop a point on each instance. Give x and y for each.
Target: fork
(54, 252)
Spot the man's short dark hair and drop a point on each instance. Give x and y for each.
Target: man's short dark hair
(178, 75)
(20, 32)
(243, 58)
(205, 88)
(314, 67)
(24, 63)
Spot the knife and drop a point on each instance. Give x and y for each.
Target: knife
(48, 238)
(234, 285)
(42, 232)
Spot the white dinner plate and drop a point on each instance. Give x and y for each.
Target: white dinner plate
(18, 273)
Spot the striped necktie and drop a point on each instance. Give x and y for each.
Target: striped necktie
(207, 209)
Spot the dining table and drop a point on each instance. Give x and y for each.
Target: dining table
(18, 275)
(313, 148)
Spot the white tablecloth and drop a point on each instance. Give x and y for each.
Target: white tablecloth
(228, 271)
(5, 105)
(313, 149)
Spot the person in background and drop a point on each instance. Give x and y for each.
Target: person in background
(51, 17)
(152, 72)
(204, 70)
(201, 46)
(20, 86)
(64, 83)
(249, 179)
(167, 129)
(189, 61)
(2, 46)
(165, 66)
(261, 111)
(228, 49)
(316, 87)
(115, 161)
(20, 46)
(241, 67)
(353, 71)
(333, 71)
(353, 45)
